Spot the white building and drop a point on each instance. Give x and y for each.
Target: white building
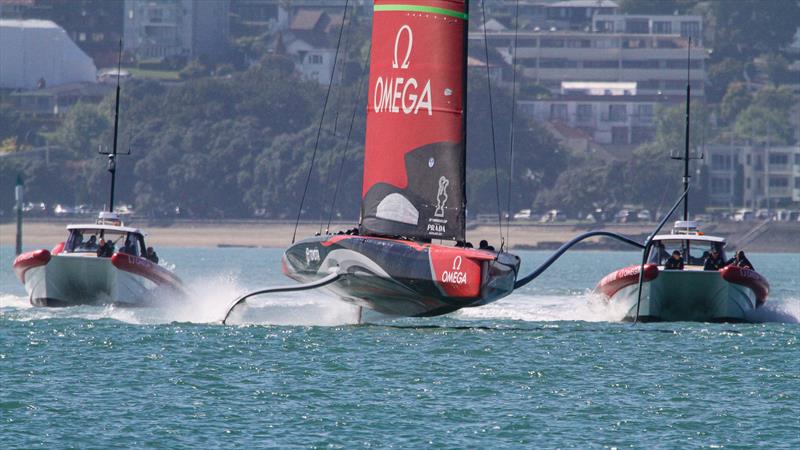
(38, 53)
(314, 63)
(163, 28)
(753, 176)
(657, 63)
(661, 24)
(611, 113)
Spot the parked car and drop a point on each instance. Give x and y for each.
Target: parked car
(523, 214)
(743, 215)
(644, 215)
(625, 216)
(554, 215)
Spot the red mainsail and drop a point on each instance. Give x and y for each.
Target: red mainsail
(414, 165)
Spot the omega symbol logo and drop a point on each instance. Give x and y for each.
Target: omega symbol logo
(457, 262)
(410, 38)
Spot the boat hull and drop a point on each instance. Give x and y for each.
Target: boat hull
(688, 295)
(403, 278)
(70, 280)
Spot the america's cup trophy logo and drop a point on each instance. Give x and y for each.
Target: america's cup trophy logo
(441, 197)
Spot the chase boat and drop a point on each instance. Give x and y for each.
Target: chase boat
(691, 294)
(73, 273)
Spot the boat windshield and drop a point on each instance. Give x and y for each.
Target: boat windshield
(698, 251)
(87, 240)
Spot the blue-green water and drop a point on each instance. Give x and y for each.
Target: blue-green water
(547, 367)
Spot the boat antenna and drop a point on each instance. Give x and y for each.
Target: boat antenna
(685, 157)
(112, 155)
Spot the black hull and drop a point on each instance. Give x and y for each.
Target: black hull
(403, 278)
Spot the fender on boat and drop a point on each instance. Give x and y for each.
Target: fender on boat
(30, 260)
(58, 248)
(747, 278)
(147, 269)
(613, 282)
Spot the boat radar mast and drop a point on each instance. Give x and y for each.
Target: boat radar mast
(686, 158)
(112, 155)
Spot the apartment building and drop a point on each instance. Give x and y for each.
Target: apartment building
(164, 28)
(656, 63)
(685, 26)
(752, 176)
(610, 112)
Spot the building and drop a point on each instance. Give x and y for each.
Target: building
(740, 175)
(656, 63)
(39, 53)
(685, 26)
(94, 25)
(610, 112)
(57, 100)
(577, 14)
(156, 29)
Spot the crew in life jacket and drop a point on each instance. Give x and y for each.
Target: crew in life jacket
(740, 261)
(714, 261)
(675, 262)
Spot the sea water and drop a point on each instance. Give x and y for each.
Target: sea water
(550, 366)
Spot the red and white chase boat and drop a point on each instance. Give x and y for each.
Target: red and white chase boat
(73, 273)
(729, 294)
(414, 178)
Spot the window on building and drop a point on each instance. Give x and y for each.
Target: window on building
(97, 37)
(662, 27)
(797, 159)
(619, 135)
(797, 183)
(637, 26)
(558, 111)
(648, 84)
(557, 63)
(584, 113)
(667, 43)
(552, 43)
(721, 162)
(749, 159)
(81, 37)
(681, 64)
(778, 182)
(747, 182)
(604, 26)
(617, 112)
(644, 110)
(640, 64)
(690, 29)
(600, 64)
(778, 159)
(720, 185)
(315, 59)
(605, 43)
(634, 43)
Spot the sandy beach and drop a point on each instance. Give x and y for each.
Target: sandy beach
(779, 237)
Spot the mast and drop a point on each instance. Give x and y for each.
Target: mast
(686, 146)
(112, 157)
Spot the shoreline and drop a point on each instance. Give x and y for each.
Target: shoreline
(777, 237)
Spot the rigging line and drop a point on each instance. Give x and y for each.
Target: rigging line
(511, 132)
(319, 128)
(342, 73)
(491, 120)
(359, 101)
(338, 102)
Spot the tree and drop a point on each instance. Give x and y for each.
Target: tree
(762, 124)
(736, 99)
(82, 126)
(721, 75)
(749, 27)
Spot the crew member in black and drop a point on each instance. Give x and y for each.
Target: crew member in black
(714, 261)
(106, 249)
(484, 245)
(741, 261)
(152, 255)
(675, 262)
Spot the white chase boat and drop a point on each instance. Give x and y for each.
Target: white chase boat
(78, 272)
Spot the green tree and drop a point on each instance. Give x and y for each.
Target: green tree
(762, 124)
(736, 99)
(82, 126)
(750, 27)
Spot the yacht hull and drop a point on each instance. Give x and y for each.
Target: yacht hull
(69, 280)
(403, 278)
(691, 295)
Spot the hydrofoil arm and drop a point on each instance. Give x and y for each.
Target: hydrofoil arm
(297, 287)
